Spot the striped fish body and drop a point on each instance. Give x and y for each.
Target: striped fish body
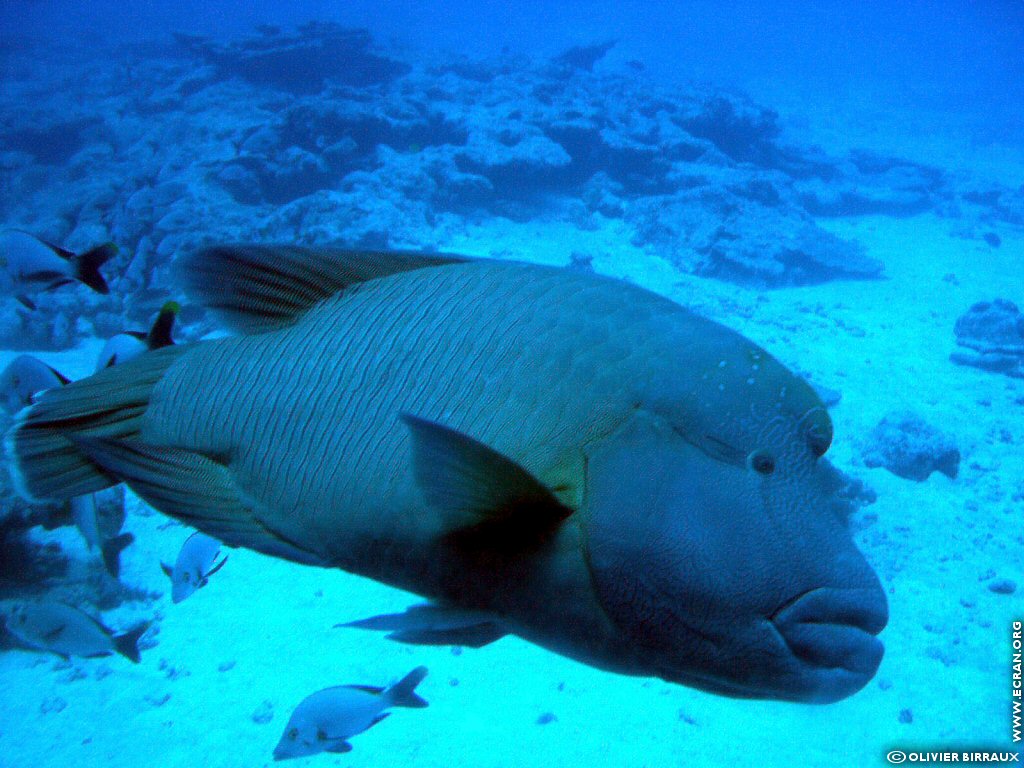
(531, 361)
(569, 454)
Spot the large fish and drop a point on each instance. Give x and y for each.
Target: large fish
(604, 472)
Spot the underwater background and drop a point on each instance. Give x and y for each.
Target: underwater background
(842, 183)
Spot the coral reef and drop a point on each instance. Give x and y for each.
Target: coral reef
(994, 332)
(320, 134)
(909, 447)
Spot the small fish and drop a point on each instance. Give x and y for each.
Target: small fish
(129, 344)
(29, 265)
(195, 565)
(67, 632)
(100, 526)
(25, 377)
(325, 720)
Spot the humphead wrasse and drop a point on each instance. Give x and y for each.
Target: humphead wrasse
(544, 452)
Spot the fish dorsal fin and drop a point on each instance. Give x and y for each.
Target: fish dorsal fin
(375, 690)
(60, 376)
(256, 288)
(494, 502)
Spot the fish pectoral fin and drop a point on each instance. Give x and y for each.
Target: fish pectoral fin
(25, 301)
(256, 288)
(193, 488)
(55, 633)
(337, 745)
(430, 624)
(494, 502)
(168, 571)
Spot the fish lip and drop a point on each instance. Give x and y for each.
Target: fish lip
(834, 629)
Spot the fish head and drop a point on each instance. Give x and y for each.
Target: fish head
(742, 579)
(299, 740)
(184, 581)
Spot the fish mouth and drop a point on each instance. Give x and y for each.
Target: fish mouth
(832, 634)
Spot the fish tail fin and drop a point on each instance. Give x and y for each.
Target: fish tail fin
(87, 266)
(403, 693)
(44, 459)
(112, 550)
(160, 334)
(128, 643)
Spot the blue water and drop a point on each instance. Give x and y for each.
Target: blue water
(841, 183)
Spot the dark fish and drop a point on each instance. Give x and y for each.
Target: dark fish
(196, 563)
(101, 528)
(615, 477)
(25, 377)
(29, 266)
(67, 631)
(325, 720)
(130, 344)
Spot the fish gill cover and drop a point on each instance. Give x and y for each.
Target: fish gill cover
(321, 134)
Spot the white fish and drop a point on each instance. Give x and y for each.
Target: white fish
(129, 344)
(195, 564)
(25, 377)
(325, 720)
(29, 265)
(67, 631)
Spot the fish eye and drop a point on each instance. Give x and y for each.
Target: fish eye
(761, 462)
(818, 442)
(186, 577)
(293, 734)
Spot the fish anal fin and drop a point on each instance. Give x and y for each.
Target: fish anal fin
(256, 288)
(492, 501)
(474, 636)
(430, 624)
(196, 489)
